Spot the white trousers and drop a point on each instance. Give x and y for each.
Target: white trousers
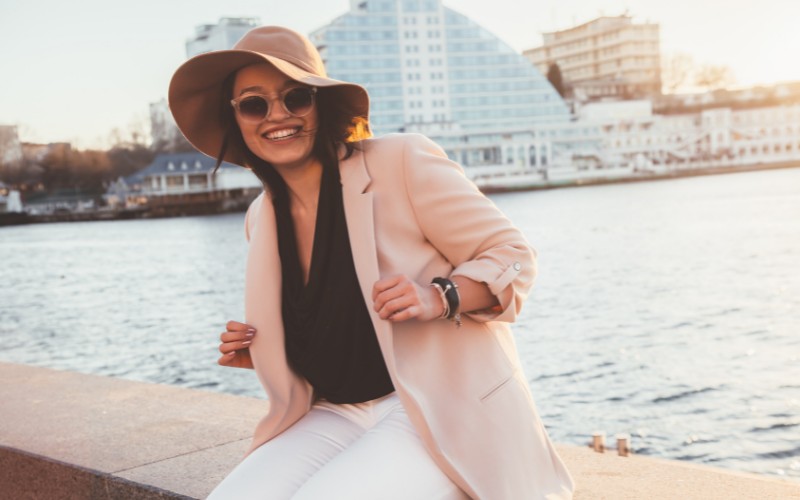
(364, 451)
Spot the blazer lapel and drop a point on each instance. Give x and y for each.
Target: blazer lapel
(358, 210)
(263, 310)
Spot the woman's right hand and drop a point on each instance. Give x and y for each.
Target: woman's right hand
(235, 346)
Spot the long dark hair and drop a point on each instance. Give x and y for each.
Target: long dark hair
(336, 127)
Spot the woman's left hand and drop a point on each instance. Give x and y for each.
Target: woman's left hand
(398, 298)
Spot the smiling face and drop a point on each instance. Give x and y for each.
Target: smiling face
(281, 139)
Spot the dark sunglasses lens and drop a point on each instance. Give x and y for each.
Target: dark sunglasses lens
(254, 108)
(299, 101)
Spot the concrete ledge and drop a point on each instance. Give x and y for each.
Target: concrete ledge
(65, 435)
(27, 476)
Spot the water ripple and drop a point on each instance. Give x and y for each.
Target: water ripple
(790, 453)
(780, 425)
(684, 394)
(546, 376)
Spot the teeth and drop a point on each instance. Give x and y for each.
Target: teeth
(281, 134)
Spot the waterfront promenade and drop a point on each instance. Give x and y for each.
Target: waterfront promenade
(65, 435)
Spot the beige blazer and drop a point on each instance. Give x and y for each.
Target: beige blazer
(411, 210)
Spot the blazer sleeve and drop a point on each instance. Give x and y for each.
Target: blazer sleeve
(467, 228)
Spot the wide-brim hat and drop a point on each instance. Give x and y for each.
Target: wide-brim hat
(195, 92)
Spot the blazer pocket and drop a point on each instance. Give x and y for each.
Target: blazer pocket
(496, 388)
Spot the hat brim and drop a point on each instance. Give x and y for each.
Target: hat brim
(195, 95)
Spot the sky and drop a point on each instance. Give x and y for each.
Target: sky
(74, 70)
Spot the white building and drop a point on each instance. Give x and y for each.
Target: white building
(220, 36)
(608, 56)
(186, 183)
(718, 137)
(191, 173)
(431, 69)
(626, 139)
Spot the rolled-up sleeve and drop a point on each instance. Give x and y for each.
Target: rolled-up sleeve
(468, 229)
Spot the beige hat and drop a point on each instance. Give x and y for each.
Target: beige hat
(195, 92)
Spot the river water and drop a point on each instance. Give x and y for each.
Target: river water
(667, 310)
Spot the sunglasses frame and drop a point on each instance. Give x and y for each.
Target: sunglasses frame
(269, 98)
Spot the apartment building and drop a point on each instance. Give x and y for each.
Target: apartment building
(605, 57)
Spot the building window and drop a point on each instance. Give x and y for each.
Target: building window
(175, 181)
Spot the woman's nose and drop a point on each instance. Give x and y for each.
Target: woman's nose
(276, 110)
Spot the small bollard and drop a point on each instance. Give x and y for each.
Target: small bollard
(599, 441)
(623, 445)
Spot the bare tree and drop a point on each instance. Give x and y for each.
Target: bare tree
(713, 77)
(676, 71)
(129, 150)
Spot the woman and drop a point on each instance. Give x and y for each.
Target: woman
(380, 284)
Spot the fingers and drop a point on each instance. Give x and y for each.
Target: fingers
(236, 359)
(227, 359)
(235, 326)
(239, 336)
(392, 294)
(235, 343)
(398, 298)
(234, 336)
(405, 314)
(391, 308)
(385, 284)
(232, 346)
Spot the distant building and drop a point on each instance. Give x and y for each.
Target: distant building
(190, 172)
(779, 94)
(432, 70)
(220, 36)
(187, 180)
(696, 138)
(605, 57)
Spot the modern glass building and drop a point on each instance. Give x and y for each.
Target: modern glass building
(430, 69)
(220, 36)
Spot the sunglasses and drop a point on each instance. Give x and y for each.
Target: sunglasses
(297, 102)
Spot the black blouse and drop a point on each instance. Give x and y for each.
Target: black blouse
(329, 336)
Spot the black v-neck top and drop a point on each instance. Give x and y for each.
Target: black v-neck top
(329, 336)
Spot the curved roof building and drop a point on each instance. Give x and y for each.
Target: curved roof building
(430, 69)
